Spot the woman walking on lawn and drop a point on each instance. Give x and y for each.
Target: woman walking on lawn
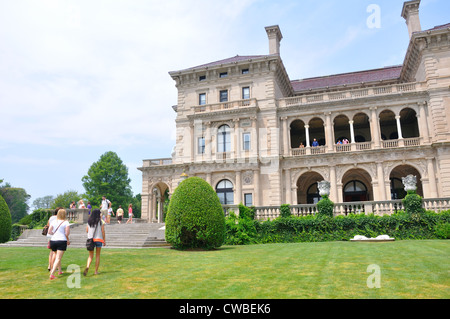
(51, 255)
(96, 230)
(60, 231)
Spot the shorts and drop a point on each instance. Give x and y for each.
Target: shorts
(119, 218)
(58, 245)
(98, 244)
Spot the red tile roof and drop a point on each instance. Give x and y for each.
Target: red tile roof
(387, 73)
(438, 27)
(236, 58)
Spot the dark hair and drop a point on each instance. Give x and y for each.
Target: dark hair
(95, 217)
(56, 210)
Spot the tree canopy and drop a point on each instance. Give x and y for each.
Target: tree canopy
(108, 177)
(16, 199)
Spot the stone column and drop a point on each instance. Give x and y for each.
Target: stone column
(192, 141)
(238, 188)
(287, 185)
(208, 142)
(256, 187)
(352, 132)
(285, 136)
(375, 131)
(329, 132)
(423, 123)
(238, 137)
(381, 183)
(307, 135)
(333, 184)
(399, 127)
(254, 137)
(431, 178)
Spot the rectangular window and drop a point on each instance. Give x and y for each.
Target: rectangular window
(224, 96)
(248, 200)
(202, 99)
(245, 71)
(201, 145)
(223, 74)
(245, 93)
(202, 78)
(246, 141)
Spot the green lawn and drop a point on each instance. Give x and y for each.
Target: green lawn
(408, 269)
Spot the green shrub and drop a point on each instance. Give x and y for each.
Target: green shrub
(325, 206)
(285, 210)
(38, 218)
(195, 219)
(5, 221)
(240, 230)
(401, 226)
(413, 203)
(442, 230)
(246, 212)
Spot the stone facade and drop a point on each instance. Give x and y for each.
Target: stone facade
(249, 130)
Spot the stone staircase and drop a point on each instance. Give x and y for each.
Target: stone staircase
(135, 235)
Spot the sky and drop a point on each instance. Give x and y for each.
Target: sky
(79, 78)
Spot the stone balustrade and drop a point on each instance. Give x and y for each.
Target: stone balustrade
(207, 108)
(352, 94)
(378, 208)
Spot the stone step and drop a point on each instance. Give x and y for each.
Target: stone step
(135, 235)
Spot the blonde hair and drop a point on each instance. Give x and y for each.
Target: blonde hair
(61, 214)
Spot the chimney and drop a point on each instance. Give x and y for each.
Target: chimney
(275, 36)
(410, 13)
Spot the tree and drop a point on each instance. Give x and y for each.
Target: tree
(64, 200)
(5, 221)
(43, 202)
(108, 177)
(16, 199)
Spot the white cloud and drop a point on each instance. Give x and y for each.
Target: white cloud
(96, 72)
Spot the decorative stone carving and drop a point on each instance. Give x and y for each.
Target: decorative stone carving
(410, 182)
(324, 188)
(247, 177)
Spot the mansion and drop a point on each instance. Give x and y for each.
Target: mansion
(262, 139)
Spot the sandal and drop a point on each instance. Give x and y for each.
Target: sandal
(52, 277)
(85, 271)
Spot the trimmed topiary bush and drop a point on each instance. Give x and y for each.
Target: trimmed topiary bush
(413, 203)
(195, 219)
(325, 206)
(5, 221)
(285, 210)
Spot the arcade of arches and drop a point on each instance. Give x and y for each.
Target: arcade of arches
(356, 129)
(356, 185)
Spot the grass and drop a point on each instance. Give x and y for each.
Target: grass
(408, 269)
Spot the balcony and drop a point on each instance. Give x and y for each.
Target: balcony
(352, 147)
(239, 104)
(157, 162)
(352, 94)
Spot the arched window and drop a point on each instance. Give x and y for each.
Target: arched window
(355, 191)
(223, 139)
(224, 190)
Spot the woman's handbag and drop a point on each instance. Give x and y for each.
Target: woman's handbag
(45, 230)
(90, 245)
